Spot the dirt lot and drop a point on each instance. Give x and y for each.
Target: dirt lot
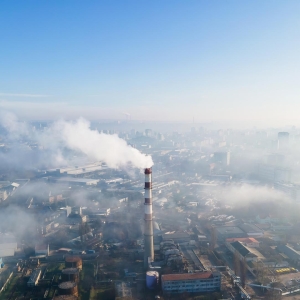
(293, 297)
(286, 279)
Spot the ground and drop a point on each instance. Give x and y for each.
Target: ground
(293, 297)
(286, 278)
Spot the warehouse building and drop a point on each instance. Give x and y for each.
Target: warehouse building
(227, 232)
(290, 252)
(251, 230)
(248, 242)
(176, 236)
(247, 253)
(191, 282)
(74, 181)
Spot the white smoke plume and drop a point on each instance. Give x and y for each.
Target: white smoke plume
(77, 136)
(111, 149)
(10, 121)
(248, 194)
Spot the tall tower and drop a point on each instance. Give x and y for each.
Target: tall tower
(148, 226)
(283, 140)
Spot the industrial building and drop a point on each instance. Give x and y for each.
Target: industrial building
(34, 278)
(247, 253)
(70, 274)
(123, 290)
(226, 232)
(290, 252)
(176, 236)
(251, 230)
(248, 242)
(68, 288)
(78, 171)
(191, 282)
(42, 249)
(74, 181)
(65, 297)
(73, 262)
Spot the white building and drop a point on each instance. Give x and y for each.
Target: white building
(8, 245)
(191, 282)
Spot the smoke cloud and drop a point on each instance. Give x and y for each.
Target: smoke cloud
(111, 149)
(77, 136)
(246, 194)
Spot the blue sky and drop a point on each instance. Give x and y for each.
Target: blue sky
(156, 60)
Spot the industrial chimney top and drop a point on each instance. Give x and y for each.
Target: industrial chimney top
(148, 171)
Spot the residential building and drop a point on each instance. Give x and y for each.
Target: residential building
(222, 158)
(274, 173)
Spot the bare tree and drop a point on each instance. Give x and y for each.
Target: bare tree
(236, 263)
(243, 271)
(273, 295)
(261, 272)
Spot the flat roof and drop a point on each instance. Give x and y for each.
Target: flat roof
(7, 238)
(42, 247)
(229, 229)
(71, 179)
(250, 228)
(175, 235)
(243, 240)
(187, 276)
(4, 184)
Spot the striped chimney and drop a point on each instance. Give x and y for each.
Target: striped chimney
(148, 226)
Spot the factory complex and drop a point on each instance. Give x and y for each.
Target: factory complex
(192, 225)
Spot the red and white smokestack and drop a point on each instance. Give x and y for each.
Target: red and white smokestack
(148, 226)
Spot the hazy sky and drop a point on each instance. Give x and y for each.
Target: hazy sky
(173, 60)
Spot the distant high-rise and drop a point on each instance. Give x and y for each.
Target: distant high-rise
(148, 132)
(222, 157)
(283, 140)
